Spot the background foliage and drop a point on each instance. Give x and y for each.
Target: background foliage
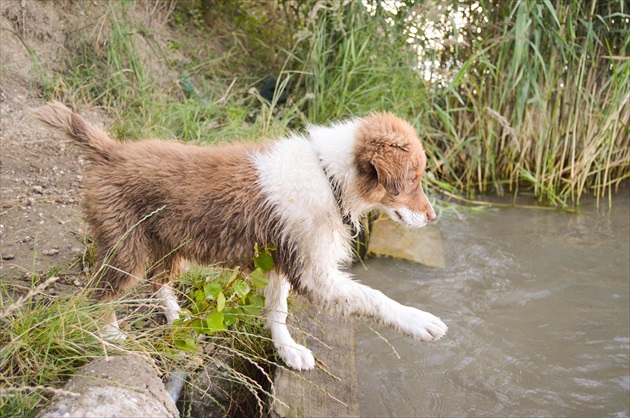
(506, 95)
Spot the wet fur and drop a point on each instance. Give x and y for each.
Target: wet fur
(166, 202)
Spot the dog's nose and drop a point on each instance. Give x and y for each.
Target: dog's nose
(431, 214)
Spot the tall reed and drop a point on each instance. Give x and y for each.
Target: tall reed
(546, 102)
(538, 100)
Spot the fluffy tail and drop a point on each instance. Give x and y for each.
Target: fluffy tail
(97, 144)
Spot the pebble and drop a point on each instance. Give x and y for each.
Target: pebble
(52, 252)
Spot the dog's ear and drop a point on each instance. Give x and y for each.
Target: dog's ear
(390, 175)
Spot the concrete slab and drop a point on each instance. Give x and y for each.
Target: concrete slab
(331, 390)
(423, 245)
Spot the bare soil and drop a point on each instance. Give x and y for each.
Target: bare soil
(41, 225)
(40, 188)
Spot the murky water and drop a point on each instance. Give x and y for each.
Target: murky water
(538, 309)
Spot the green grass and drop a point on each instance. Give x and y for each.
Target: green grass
(45, 339)
(551, 112)
(199, 100)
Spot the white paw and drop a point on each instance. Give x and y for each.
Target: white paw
(296, 356)
(421, 325)
(112, 333)
(169, 304)
(171, 316)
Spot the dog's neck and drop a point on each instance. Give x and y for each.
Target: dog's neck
(337, 192)
(335, 148)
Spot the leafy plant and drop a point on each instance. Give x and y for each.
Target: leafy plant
(222, 299)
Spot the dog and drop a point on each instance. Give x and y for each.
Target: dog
(166, 202)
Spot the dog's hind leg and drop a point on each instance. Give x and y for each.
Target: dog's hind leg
(162, 276)
(295, 355)
(118, 269)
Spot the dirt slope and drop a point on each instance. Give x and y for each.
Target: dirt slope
(40, 171)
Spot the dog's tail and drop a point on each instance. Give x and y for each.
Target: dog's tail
(93, 140)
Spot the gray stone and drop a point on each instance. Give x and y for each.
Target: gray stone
(125, 386)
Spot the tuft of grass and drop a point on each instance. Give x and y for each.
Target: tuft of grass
(354, 63)
(42, 342)
(539, 102)
(150, 94)
(46, 339)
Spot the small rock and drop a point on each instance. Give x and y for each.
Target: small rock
(119, 394)
(51, 252)
(7, 256)
(38, 189)
(423, 246)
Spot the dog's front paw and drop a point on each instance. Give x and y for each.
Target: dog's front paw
(422, 325)
(297, 356)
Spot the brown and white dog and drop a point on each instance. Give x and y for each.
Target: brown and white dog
(212, 204)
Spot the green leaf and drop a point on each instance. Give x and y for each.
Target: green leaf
(212, 290)
(231, 316)
(263, 259)
(241, 288)
(198, 326)
(251, 311)
(220, 302)
(199, 296)
(214, 322)
(260, 279)
(186, 344)
(233, 277)
(257, 301)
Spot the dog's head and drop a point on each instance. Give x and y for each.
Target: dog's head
(390, 164)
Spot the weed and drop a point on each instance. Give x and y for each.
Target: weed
(46, 339)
